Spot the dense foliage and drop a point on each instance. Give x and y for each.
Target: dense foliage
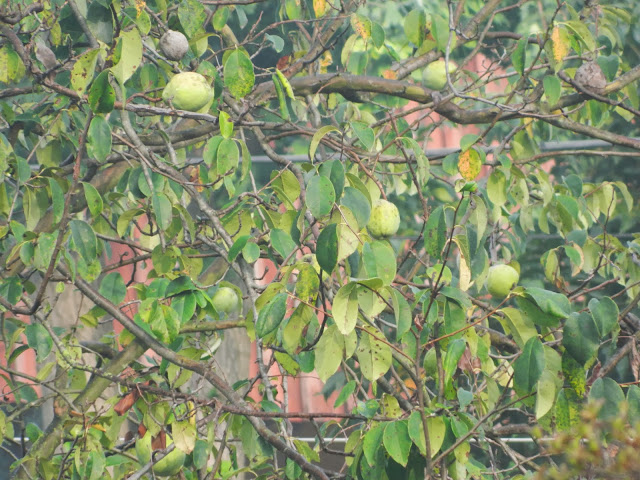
(430, 375)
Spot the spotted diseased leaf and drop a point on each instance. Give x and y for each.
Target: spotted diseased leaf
(130, 56)
(192, 15)
(469, 164)
(362, 26)
(374, 354)
(307, 283)
(83, 70)
(239, 77)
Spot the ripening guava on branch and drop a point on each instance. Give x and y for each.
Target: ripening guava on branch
(434, 75)
(225, 300)
(384, 220)
(188, 91)
(501, 280)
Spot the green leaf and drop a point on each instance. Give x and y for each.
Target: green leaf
(359, 205)
(251, 252)
(331, 349)
(99, 139)
(57, 201)
(532, 313)
(519, 326)
(94, 200)
(529, 366)
(364, 133)
(345, 308)
(435, 233)
(220, 18)
(345, 393)
(455, 349)
(320, 196)
(605, 315)
(415, 26)
(179, 285)
(102, 96)
(113, 288)
(402, 312)
(83, 70)
(545, 394)
(372, 442)
(85, 240)
(380, 261)
(227, 156)
(609, 395)
(552, 303)
(580, 337)
(374, 355)
(334, 170)
(518, 58)
(131, 56)
(237, 247)
(238, 73)
(162, 210)
(552, 88)
(397, 442)
(271, 315)
(39, 339)
(317, 137)
(497, 188)
(185, 306)
(633, 399)
(282, 242)
(327, 248)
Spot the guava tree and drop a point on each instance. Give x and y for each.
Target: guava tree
(127, 135)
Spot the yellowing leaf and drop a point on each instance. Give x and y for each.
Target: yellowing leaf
(469, 164)
(321, 7)
(560, 43)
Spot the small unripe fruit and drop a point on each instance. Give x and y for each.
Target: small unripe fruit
(225, 300)
(188, 91)
(434, 75)
(501, 280)
(384, 220)
(174, 45)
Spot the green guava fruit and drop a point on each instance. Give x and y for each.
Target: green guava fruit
(173, 45)
(188, 91)
(501, 280)
(225, 300)
(434, 75)
(143, 448)
(384, 220)
(170, 464)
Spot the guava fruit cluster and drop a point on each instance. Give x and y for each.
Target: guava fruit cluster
(188, 91)
(174, 45)
(501, 280)
(384, 220)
